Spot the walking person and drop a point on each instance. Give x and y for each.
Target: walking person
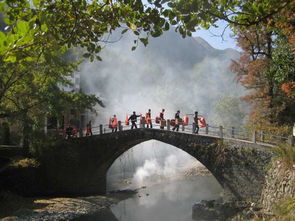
(162, 118)
(196, 121)
(69, 131)
(133, 119)
(177, 119)
(89, 129)
(114, 123)
(148, 119)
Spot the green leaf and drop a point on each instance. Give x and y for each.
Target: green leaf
(91, 58)
(29, 59)
(44, 28)
(124, 31)
(86, 55)
(156, 33)
(2, 6)
(167, 26)
(133, 48)
(22, 27)
(144, 41)
(11, 59)
(2, 38)
(36, 3)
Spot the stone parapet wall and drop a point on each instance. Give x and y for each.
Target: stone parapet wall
(280, 184)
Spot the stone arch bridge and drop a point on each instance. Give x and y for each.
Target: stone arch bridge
(79, 166)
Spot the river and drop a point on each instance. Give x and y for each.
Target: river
(171, 200)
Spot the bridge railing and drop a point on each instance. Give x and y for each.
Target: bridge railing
(209, 130)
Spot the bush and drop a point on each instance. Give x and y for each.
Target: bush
(40, 142)
(286, 153)
(25, 162)
(284, 210)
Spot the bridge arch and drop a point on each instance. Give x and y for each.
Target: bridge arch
(82, 164)
(152, 157)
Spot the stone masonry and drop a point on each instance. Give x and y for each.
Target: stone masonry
(79, 166)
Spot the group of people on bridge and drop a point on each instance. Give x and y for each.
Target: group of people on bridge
(147, 120)
(199, 121)
(176, 122)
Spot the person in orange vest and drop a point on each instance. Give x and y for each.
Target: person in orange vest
(162, 117)
(177, 117)
(114, 124)
(196, 121)
(148, 119)
(89, 129)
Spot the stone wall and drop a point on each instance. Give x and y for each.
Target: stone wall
(244, 169)
(280, 184)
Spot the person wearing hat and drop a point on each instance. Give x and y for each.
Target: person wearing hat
(177, 117)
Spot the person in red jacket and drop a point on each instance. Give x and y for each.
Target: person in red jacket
(114, 124)
(89, 129)
(148, 119)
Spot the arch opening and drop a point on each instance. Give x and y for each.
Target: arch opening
(153, 162)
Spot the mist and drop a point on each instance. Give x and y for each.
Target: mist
(149, 163)
(171, 73)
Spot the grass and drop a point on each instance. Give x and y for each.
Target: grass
(285, 153)
(25, 162)
(284, 210)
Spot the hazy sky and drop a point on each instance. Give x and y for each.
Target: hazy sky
(215, 41)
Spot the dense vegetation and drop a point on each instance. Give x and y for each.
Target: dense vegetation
(37, 35)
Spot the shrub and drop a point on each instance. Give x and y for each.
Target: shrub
(25, 162)
(286, 153)
(284, 210)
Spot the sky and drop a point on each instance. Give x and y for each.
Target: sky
(212, 36)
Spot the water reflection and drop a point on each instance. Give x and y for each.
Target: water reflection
(171, 200)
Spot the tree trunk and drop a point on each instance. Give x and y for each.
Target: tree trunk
(26, 134)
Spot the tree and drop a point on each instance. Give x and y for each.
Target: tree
(40, 30)
(267, 70)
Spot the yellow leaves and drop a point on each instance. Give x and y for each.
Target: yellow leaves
(133, 27)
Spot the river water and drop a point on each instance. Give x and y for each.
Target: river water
(171, 200)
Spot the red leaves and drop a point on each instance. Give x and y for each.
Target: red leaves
(289, 89)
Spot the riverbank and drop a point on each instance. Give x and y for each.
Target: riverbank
(17, 208)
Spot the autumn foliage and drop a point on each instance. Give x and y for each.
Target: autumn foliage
(266, 68)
